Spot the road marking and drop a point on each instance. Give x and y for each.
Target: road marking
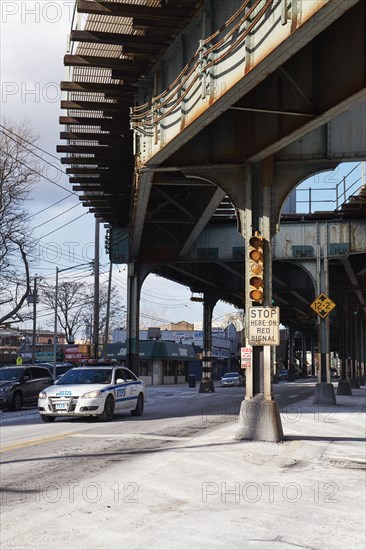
(122, 436)
(31, 442)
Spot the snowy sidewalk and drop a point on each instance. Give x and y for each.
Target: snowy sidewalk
(211, 491)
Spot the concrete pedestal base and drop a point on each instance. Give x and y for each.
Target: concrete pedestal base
(361, 380)
(354, 383)
(324, 394)
(259, 420)
(207, 386)
(344, 388)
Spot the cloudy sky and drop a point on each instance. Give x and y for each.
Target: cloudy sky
(34, 38)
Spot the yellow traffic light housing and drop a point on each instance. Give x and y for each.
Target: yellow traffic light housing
(256, 268)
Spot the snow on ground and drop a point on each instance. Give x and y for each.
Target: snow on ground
(210, 491)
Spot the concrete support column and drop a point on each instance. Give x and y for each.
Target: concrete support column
(353, 329)
(291, 355)
(344, 386)
(207, 385)
(136, 274)
(303, 355)
(363, 347)
(362, 350)
(259, 414)
(133, 315)
(355, 344)
(312, 343)
(324, 391)
(343, 350)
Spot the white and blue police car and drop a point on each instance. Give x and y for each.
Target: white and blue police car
(93, 391)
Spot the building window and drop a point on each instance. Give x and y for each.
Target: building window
(168, 368)
(181, 368)
(174, 368)
(145, 367)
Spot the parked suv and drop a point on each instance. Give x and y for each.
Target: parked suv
(61, 368)
(21, 385)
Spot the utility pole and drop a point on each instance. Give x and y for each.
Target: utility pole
(55, 327)
(96, 291)
(56, 306)
(34, 321)
(108, 311)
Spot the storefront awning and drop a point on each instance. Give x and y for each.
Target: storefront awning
(154, 349)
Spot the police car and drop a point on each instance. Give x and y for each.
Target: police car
(93, 391)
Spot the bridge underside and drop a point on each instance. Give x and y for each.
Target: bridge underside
(293, 286)
(300, 111)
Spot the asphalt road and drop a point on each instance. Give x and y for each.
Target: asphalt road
(34, 454)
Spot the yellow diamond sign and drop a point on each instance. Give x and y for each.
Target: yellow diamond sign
(322, 305)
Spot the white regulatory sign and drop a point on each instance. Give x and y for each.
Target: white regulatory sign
(246, 357)
(264, 326)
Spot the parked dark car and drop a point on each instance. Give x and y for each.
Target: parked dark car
(61, 368)
(21, 385)
(283, 375)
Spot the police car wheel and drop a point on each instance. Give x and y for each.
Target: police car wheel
(48, 418)
(108, 411)
(139, 406)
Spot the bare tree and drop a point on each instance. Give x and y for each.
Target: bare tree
(72, 303)
(17, 176)
(75, 304)
(116, 308)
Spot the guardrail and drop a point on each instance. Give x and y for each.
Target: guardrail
(219, 62)
(330, 198)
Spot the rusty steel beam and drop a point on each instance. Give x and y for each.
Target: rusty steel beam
(91, 136)
(88, 171)
(108, 191)
(98, 181)
(97, 150)
(110, 124)
(103, 63)
(85, 160)
(145, 24)
(95, 105)
(99, 37)
(131, 10)
(96, 87)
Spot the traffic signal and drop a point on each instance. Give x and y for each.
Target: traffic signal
(107, 241)
(256, 268)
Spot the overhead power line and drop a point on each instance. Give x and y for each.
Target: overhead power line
(62, 226)
(58, 215)
(41, 175)
(49, 206)
(32, 144)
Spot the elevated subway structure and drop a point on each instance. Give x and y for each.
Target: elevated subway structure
(233, 103)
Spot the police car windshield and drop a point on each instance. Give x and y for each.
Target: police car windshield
(87, 376)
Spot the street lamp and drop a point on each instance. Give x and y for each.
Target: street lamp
(55, 326)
